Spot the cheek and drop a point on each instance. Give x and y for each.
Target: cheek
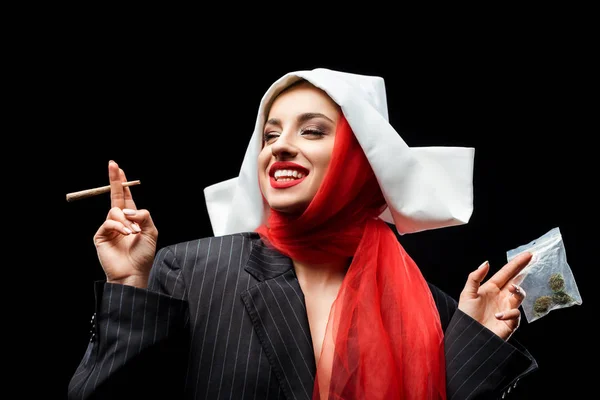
(320, 165)
(262, 163)
(322, 159)
(263, 160)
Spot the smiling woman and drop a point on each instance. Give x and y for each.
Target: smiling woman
(304, 291)
(298, 143)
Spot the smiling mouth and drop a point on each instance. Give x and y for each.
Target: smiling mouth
(285, 181)
(282, 179)
(284, 174)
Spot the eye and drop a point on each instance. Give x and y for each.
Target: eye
(312, 132)
(268, 137)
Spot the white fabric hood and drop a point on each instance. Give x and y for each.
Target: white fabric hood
(425, 187)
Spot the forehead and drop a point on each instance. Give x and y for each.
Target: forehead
(302, 98)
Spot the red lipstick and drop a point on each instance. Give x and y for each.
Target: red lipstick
(286, 165)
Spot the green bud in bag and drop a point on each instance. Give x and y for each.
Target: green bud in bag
(561, 297)
(557, 282)
(542, 304)
(547, 279)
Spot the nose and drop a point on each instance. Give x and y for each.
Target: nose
(284, 147)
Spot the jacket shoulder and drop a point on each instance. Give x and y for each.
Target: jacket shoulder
(189, 254)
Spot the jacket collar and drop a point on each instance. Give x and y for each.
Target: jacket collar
(277, 310)
(265, 262)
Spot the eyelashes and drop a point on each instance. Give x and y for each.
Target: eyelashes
(309, 132)
(315, 132)
(268, 136)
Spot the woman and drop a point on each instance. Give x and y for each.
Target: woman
(304, 291)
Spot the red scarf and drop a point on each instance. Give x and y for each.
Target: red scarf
(384, 338)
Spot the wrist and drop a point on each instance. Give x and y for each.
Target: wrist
(140, 282)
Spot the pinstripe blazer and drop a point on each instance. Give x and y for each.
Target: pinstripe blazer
(225, 318)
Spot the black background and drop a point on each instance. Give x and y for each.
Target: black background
(176, 108)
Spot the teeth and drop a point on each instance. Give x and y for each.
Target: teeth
(288, 173)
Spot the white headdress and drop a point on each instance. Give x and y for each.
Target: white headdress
(425, 187)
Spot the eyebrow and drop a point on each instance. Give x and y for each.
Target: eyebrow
(301, 118)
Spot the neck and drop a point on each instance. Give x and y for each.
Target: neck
(321, 276)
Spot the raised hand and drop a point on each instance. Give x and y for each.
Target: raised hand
(495, 303)
(126, 241)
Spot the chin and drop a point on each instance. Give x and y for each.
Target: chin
(287, 208)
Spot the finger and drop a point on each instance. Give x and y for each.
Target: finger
(141, 217)
(109, 226)
(117, 196)
(475, 278)
(511, 314)
(517, 295)
(129, 203)
(116, 214)
(510, 269)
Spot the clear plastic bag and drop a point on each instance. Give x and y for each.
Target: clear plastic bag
(548, 281)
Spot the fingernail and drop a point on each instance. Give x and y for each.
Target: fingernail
(110, 161)
(519, 290)
(499, 315)
(136, 227)
(482, 265)
(128, 211)
(127, 230)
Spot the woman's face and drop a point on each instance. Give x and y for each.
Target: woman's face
(298, 140)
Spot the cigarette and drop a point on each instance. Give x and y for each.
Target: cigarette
(96, 191)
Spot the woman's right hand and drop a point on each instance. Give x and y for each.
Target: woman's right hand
(126, 241)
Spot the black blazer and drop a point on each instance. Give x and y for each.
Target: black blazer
(225, 318)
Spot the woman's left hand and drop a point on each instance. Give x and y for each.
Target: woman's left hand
(495, 303)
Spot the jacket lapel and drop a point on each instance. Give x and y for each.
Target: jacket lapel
(278, 312)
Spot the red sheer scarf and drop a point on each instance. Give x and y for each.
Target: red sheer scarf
(384, 338)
